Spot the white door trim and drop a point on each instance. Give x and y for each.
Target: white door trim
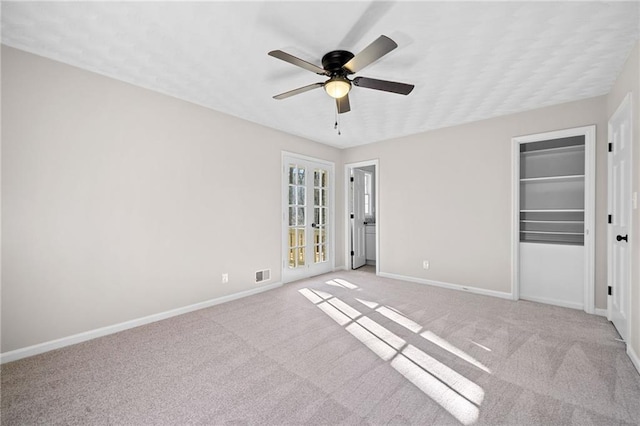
(347, 220)
(589, 133)
(625, 103)
(332, 208)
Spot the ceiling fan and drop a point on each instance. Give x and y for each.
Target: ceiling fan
(338, 65)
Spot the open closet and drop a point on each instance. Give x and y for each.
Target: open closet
(555, 203)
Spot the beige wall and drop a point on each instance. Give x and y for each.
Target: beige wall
(119, 202)
(445, 196)
(629, 81)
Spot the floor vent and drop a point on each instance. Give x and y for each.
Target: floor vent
(264, 275)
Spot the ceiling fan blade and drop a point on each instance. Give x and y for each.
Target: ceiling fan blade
(373, 13)
(376, 50)
(298, 91)
(297, 61)
(343, 104)
(387, 86)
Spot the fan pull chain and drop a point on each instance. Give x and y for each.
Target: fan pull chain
(337, 124)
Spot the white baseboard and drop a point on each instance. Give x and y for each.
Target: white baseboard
(560, 303)
(601, 312)
(635, 359)
(111, 329)
(450, 286)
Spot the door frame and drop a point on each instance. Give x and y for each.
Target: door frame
(331, 231)
(626, 102)
(589, 133)
(347, 220)
(358, 232)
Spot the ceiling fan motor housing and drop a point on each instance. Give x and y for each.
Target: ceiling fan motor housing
(335, 60)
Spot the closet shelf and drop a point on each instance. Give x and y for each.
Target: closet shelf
(553, 211)
(556, 149)
(554, 179)
(552, 232)
(551, 221)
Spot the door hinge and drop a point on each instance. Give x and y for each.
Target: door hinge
(351, 179)
(353, 253)
(610, 291)
(610, 219)
(352, 216)
(610, 147)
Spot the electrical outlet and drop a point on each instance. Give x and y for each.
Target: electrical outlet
(425, 264)
(225, 278)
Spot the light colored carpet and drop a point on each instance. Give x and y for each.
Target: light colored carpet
(342, 348)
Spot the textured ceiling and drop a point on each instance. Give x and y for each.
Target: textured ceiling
(468, 61)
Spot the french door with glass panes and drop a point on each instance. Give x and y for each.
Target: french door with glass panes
(308, 191)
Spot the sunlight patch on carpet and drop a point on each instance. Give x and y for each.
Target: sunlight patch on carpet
(457, 394)
(439, 341)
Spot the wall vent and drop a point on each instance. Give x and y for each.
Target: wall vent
(264, 275)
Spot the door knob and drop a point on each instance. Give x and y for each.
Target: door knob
(620, 238)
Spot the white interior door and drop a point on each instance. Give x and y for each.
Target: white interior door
(620, 210)
(307, 216)
(358, 243)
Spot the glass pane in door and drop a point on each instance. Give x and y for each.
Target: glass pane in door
(297, 222)
(319, 215)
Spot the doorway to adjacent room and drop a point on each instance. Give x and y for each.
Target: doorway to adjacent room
(362, 217)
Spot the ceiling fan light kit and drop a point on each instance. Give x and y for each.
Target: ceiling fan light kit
(337, 87)
(337, 65)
